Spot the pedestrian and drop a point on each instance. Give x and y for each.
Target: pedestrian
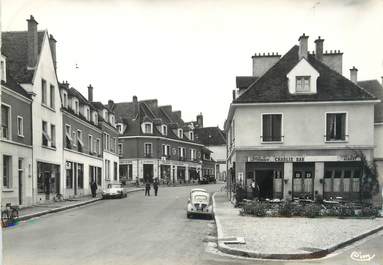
(255, 189)
(93, 188)
(155, 186)
(147, 188)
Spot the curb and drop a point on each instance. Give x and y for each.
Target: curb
(64, 208)
(293, 256)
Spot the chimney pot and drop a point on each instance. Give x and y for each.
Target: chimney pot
(200, 120)
(90, 93)
(303, 46)
(354, 74)
(32, 42)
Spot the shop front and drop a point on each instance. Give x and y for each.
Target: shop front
(181, 173)
(165, 173)
(48, 179)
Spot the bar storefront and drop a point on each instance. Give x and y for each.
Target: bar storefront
(291, 174)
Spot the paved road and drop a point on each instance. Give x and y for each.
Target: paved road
(136, 230)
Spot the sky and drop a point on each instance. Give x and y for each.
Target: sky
(187, 53)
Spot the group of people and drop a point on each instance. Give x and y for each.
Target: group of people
(148, 187)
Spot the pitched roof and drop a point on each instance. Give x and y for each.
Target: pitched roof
(273, 85)
(245, 81)
(13, 85)
(15, 48)
(210, 136)
(375, 88)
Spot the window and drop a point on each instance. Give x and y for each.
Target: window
(340, 178)
(5, 121)
(95, 118)
(7, 171)
(52, 96)
(120, 149)
(65, 99)
(53, 136)
(164, 150)
(3, 74)
(79, 140)
(107, 169)
(68, 137)
(193, 154)
(20, 126)
(180, 133)
(181, 152)
(148, 149)
(191, 135)
(336, 127)
(69, 175)
(115, 171)
(105, 114)
(43, 92)
(302, 84)
(272, 127)
(90, 144)
(164, 130)
(87, 114)
(107, 142)
(98, 146)
(76, 107)
(45, 136)
(148, 128)
(112, 120)
(120, 128)
(74, 138)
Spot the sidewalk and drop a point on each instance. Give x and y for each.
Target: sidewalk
(52, 207)
(285, 238)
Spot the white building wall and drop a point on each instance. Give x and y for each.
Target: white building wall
(112, 158)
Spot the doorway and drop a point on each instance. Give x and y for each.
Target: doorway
(148, 172)
(21, 173)
(264, 179)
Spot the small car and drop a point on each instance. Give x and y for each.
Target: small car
(199, 204)
(114, 191)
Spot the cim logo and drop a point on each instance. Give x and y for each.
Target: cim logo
(358, 256)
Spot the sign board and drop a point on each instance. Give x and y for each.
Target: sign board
(294, 159)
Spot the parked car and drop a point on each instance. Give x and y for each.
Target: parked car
(199, 204)
(114, 191)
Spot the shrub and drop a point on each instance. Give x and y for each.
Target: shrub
(286, 209)
(255, 208)
(369, 211)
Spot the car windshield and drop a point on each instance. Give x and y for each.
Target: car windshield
(111, 186)
(200, 198)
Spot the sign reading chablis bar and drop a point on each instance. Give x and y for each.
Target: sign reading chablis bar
(292, 159)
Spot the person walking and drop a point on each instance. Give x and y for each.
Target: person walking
(147, 188)
(93, 188)
(155, 186)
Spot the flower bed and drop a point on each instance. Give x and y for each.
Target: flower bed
(306, 209)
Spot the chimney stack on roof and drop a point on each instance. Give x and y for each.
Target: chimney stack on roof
(52, 44)
(354, 75)
(303, 45)
(32, 42)
(319, 48)
(90, 93)
(200, 120)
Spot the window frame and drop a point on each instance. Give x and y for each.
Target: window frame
(151, 149)
(20, 126)
(164, 129)
(180, 133)
(9, 175)
(52, 98)
(120, 149)
(151, 127)
(53, 135)
(346, 132)
(9, 125)
(302, 85)
(90, 144)
(282, 128)
(44, 92)
(45, 133)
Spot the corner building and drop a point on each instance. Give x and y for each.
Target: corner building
(294, 126)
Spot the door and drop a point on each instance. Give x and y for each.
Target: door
(148, 172)
(21, 181)
(264, 179)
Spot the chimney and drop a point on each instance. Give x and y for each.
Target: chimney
(90, 93)
(110, 103)
(200, 120)
(32, 42)
(303, 46)
(52, 44)
(354, 75)
(135, 103)
(319, 48)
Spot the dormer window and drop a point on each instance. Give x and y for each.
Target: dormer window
(191, 135)
(105, 114)
(120, 128)
(148, 127)
(164, 130)
(180, 133)
(112, 120)
(65, 99)
(3, 69)
(87, 113)
(302, 84)
(76, 106)
(95, 118)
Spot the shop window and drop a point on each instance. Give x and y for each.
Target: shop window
(80, 176)
(337, 180)
(278, 181)
(336, 127)
(115, 171)
(357, 175)
(48, 176)
(7, 171)
(5, 121)
(272, 128)
(69, 175)
(297, 182)
(347, 180)
(342, 179)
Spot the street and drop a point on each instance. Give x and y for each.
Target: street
(136, 230)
